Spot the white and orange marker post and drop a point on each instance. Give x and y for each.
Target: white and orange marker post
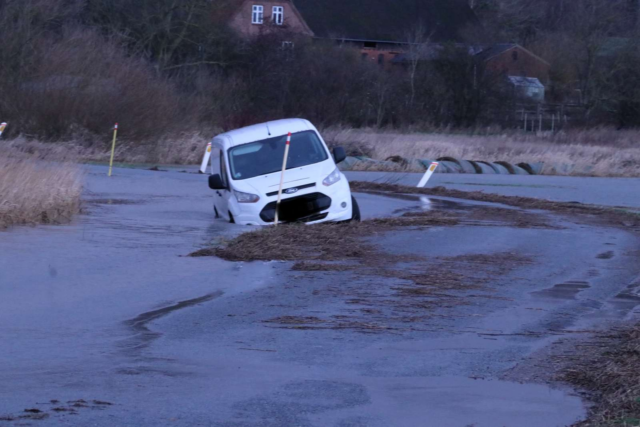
(284, 167)
(113, 147)
(3, 125)
(205, 159)
(428, 174)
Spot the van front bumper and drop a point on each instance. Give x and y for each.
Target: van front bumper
(317, 204)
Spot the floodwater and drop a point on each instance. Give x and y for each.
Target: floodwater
(108, 309)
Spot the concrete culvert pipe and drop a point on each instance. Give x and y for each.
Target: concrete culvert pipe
(440, 169)
(499, 169)
(464, 165)
(413, 165)
(513, 169)
(532, 168)
(475, 166)
(348, 163)
(451, 166)
(483, 168)
(396, 159)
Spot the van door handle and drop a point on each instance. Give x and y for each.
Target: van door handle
(218, 193)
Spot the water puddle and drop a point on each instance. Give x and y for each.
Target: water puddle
(143, 335)
(605, 255)
(114, 202)
(568, 290)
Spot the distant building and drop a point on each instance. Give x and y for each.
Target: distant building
(526, 88)
(383, 30)
(378, 28)
(525, 74)
(254, 17)
(514, 60)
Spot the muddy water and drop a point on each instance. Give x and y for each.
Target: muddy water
(108, 309)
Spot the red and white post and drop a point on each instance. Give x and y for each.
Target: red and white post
(284, 167)
(205, 159)
(428, 174)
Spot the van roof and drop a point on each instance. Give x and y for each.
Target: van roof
(263, 131)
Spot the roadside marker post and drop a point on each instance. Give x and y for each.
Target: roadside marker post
(427, 174)
(284, 167)
(113, 147)
(205, 159)
(3, 125)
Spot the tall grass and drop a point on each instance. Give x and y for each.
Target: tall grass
(597, 152)
(36, 192)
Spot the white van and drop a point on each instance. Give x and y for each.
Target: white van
(246, 170)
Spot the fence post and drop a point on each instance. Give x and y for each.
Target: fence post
(539, 122)
(113, 147)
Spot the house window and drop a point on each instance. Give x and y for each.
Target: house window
(277, 15)
(514, 55)
(257, 14)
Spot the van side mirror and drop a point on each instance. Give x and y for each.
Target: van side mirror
(215, 182)
(339, 155)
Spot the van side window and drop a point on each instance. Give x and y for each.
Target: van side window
(223, 169)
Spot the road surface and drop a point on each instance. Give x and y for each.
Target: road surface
(106, 322)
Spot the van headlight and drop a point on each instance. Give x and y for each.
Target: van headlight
(332, 178)
(246, 197)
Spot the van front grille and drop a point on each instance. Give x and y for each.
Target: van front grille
(298, 188)
(297, 208)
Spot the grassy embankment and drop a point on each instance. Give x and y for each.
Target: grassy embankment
(595, 152)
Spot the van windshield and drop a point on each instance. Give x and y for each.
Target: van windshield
(265, 157)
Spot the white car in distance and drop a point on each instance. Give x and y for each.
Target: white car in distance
(246, 167)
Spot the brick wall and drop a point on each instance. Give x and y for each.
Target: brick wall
(519, 62)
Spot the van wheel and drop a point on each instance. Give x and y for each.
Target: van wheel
(215, 211)
(231, 220)
(355, 216)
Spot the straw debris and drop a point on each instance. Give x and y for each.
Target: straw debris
(609, 371)
(619, 217)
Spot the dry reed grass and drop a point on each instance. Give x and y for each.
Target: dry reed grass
(610, 371)
(36, 192)
(186, 148)
(597, 152)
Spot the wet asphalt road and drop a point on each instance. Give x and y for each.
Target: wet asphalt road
(108, 309)
(595, 191)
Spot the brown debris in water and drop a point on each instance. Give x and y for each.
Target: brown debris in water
(325, 241)
(610, 372)
(618, 217)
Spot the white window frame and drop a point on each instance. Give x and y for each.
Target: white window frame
(277, 15)
(257, 14)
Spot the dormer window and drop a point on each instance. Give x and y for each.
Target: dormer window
(257, 14)
(277, 15)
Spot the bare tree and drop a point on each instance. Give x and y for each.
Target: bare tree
(418, 50)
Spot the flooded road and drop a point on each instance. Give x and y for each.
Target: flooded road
(106, 322)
